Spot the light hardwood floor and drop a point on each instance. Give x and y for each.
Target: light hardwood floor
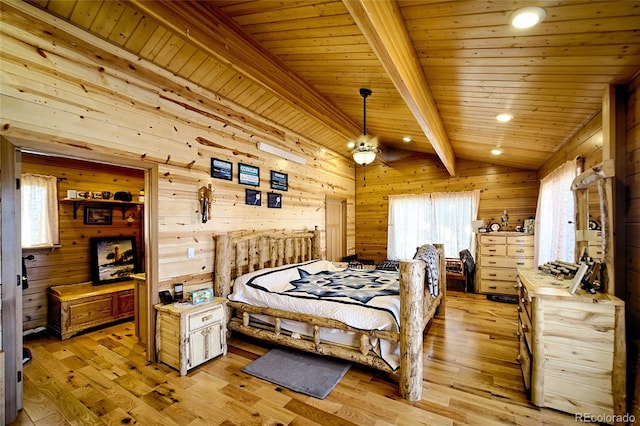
(471, 377)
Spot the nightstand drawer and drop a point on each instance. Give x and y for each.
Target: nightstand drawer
(205, 318)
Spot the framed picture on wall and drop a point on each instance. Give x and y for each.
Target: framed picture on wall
(274, 200)
(97, 215)
(221, 169)
(279, 181)
(253, 197)
(248, 175)
(112, 259)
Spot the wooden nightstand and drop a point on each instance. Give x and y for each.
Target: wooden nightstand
(188, 335)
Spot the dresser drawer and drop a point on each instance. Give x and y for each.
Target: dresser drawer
(521, 240)
(497, 287)
(493, 250)
(202, 319)
(520, 251)
(505, 262)
(499, 274)
(493, 239)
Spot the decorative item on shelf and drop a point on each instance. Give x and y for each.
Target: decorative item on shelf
(205, 196)
(122, 196)
(495, 227)
(106, 195)
(201, 296)
(505, 219)
(529, 225)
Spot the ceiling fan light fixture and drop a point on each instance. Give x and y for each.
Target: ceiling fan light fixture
(496, 151)
(364, 154)
(407, 139)
(527, 17)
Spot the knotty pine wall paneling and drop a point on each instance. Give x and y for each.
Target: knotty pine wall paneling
(70, 264)
(67, 92)
(501, 188)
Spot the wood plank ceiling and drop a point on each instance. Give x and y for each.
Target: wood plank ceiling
(440, 71)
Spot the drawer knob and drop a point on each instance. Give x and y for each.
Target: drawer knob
(206, 318)
(493, 275)
(493, 287)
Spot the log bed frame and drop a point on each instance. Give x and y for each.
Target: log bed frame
(240, 252)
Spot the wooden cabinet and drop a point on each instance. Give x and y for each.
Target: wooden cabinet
(76, 307)
(188, 335)
(498, 255)
(572, 347)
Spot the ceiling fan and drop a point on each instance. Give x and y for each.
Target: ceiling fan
(366, 147)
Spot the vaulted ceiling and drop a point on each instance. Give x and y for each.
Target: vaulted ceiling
(440, 71)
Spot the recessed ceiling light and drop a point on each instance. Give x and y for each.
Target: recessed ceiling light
(407, 139)
(503, 118)
(496, 151)
(527, 17)
(351, 145)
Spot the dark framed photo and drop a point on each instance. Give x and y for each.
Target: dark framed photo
(221, 169)
(279, 181)
(248, 175)
(97, 215)
(112, 259)
(274, 200)
(253, 197)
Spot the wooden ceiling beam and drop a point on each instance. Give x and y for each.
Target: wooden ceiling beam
(382, 25)
(218, 35)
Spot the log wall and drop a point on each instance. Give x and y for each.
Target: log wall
(502, 188)
(69, 93)
(70, 264)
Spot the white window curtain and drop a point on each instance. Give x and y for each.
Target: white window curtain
(39, 210)
(439, 217)
(555, 228)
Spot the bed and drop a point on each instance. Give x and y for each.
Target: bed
(247, 262)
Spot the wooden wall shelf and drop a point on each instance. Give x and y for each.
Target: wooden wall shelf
(77, 202)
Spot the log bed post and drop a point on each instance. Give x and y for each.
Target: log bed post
(411, 295)
(222, 281)
(315, 245)
(442, 281)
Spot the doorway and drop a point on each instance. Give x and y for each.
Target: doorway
(336, 228)
(12, 300)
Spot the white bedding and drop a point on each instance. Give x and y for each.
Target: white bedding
(273, 288)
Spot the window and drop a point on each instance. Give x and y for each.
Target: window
(555, 228)
(439, 217)
(39, 211)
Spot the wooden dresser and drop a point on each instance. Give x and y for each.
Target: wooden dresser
(572, 347)
(497, 257)
(76, 307)
(188, 335)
